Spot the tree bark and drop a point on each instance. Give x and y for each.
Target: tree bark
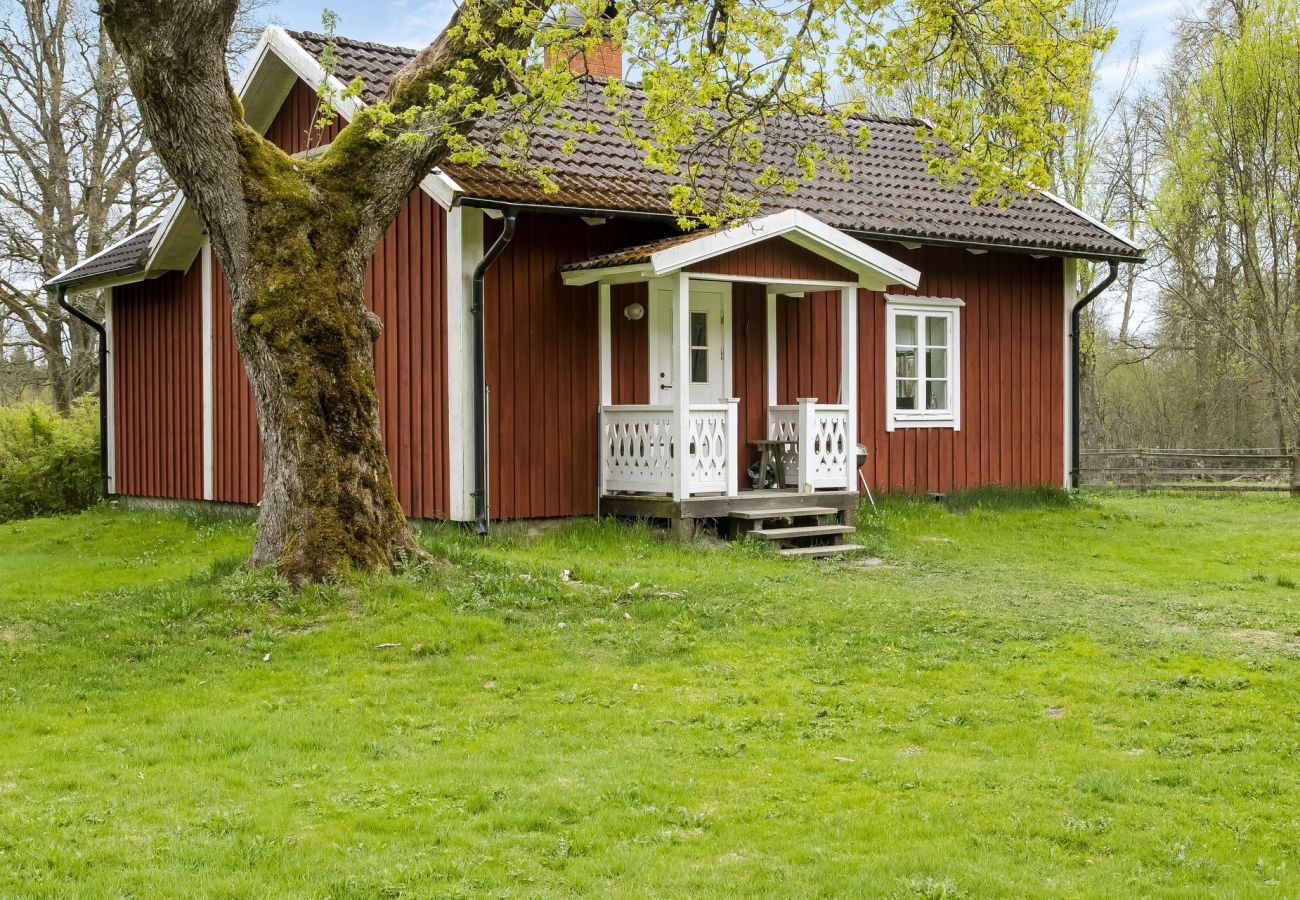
(294, 237)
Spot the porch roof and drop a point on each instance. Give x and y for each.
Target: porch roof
(872, 268)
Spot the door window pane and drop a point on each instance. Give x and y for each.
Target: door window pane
(699, 329)
(699, 366)
(699, 348)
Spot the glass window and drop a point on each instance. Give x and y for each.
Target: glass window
(923, 358)
(699, 348)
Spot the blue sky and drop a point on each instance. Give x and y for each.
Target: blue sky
(413, 23)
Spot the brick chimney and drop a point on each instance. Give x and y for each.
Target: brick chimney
(605, 61)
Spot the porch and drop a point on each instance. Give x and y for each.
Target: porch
(682, 456)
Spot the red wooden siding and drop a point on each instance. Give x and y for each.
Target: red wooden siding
(405, 286)
(543, 365)
(774, 258)
(808, 348)
(293, 129)
(157, 384)
(236, 445)
(749, 366)
(629, 345)
(1012, 381)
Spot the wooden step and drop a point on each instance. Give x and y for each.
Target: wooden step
(802, 531)
(828, 550)
(790, 513)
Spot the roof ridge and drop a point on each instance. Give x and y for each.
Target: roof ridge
(880, 118)
(351, 42)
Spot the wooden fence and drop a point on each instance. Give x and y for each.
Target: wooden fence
(1192, 470)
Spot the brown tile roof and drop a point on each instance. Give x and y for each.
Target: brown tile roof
(123, 258)
(641, 253)
(889, 194)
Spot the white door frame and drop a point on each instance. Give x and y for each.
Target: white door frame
(661, 331)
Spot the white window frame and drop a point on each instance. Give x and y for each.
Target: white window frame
(922, 306)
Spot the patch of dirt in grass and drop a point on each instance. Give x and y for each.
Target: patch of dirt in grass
(1267, 640)
(14, 632)
(872, 562)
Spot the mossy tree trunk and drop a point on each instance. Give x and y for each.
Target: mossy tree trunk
(293, 237)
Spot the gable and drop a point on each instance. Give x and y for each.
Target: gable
(776, 259)
(294, 129)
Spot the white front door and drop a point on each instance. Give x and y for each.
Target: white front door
(707, 333)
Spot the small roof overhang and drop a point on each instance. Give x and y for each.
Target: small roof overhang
(873, 269)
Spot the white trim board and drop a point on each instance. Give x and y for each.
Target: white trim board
(209, 393)
(110, 394)
(875, 270)
(464, 250)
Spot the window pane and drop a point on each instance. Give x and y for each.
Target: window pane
(936, 394)
(936, 331)
(905, 363)
(905, 331)
(699, 366)
(699, 329)
(936, 363)
(906, 398)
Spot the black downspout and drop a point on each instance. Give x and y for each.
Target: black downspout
(1076, 377)
(480, 375)
(61, 292)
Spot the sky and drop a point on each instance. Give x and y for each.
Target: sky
(413, 23)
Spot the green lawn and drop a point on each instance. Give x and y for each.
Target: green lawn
(1099, 698)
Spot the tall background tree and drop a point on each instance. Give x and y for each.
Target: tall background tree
(77, 175)
(293, 236)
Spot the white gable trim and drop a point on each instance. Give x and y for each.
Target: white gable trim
(276, 42)
(874, 270)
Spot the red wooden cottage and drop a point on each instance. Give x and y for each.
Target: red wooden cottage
(627, 367)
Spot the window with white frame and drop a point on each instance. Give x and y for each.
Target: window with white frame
(922, 362)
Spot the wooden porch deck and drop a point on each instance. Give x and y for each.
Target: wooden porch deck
(748, 512)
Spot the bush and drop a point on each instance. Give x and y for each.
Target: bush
(48, 463)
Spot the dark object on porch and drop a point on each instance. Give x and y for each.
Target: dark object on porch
(768, 471)
(863, 455)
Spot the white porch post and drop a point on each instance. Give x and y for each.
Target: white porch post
(849, 377)
(807, 426)
(606, 387)
(771, 349)
(681, 359)
(733, 446)
(205, 354)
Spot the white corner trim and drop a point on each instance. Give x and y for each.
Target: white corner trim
(1089, 218)
(206, 355)
(110, 394)
(894, 418)
(904, 300)
(1071, 290)
(464, 250)
(874, 268)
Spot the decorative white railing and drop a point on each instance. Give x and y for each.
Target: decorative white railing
(709, 453)
(639, 449)
(824, 453)
(638, 452)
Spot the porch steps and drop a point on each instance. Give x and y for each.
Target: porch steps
(821, 550)
(802, 531)
(793, 512)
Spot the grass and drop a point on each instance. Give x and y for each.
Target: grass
(1059, 698)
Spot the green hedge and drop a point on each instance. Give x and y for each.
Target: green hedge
(48, 463)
